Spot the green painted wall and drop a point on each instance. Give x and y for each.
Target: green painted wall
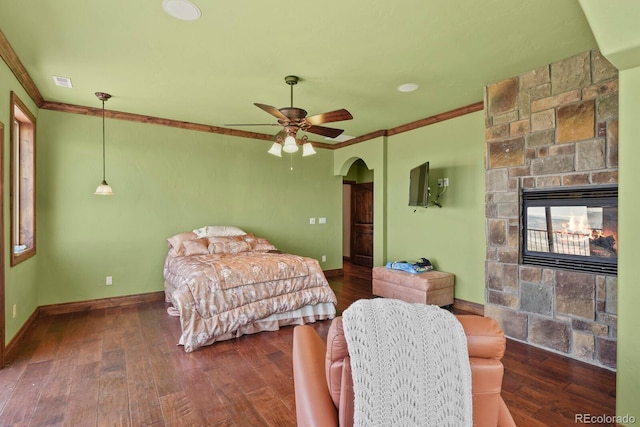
(452, 237)
(615, 27)
(21, 280)
(628, 366)
(166, 181)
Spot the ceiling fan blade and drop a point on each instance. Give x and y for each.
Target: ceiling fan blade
(324, 131)
(253, 124)
(271, 110)
(332, 116)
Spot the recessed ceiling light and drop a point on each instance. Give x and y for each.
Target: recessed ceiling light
(407, 87)
(62, 81)
(181, 9)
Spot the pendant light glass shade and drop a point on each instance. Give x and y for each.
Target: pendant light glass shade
(103, 189)
(307, 149)
(290, 145)
(276, 149)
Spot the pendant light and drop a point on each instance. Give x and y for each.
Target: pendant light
(103, 189)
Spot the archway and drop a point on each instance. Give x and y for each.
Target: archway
(357, 209)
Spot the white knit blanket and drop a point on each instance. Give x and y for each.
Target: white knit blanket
(409, 363)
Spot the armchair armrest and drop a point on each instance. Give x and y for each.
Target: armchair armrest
(485, 338)
(314, 406)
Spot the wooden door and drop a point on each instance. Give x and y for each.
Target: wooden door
(362, 224)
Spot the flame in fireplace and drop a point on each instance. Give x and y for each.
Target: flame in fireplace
(585, 240)
(577, 225)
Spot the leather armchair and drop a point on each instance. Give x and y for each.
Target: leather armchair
(324, 389)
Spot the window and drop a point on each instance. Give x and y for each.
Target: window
(23, 182)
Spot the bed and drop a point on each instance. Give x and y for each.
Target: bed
(223, 283)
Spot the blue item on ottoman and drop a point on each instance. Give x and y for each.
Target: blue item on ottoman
(408, 267)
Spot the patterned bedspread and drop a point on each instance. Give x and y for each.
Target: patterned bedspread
(217, 294)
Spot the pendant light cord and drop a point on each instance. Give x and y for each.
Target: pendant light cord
(104, 173)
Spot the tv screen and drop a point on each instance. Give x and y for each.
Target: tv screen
(419, 185)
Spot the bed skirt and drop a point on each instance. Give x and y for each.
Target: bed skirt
(304, 315)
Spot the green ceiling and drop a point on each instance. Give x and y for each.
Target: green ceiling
(349, 54)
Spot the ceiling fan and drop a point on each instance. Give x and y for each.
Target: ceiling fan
(293, 119)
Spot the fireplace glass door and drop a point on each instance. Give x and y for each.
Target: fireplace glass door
(575, 229)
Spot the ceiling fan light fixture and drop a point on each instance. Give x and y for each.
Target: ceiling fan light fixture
(276, 149)
(290, 145)
(307, 149)
(181, 9)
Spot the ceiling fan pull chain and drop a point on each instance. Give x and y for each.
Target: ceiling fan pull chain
(291, 163)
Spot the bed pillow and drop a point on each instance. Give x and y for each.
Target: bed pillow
(262, 245)
(225, 239)
(176, 243)
(259, 244)
(231, 247)
(196, 247)
(227, 245)
(218, 230)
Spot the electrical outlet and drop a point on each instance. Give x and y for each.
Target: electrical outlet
(15, 310)
(109, 281)
(324, 258)
(312, 221)
(322, 220)
(445, 182)
(440, 181)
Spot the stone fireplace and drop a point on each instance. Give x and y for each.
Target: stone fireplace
(552, 130)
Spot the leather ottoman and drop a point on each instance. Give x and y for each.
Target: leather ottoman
(432, 287)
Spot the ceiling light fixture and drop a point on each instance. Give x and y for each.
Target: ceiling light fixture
(103, 189)
(62, 81)
(276, 149)
(290, 144)
(307, 148)
(407, 87)
(181, 9)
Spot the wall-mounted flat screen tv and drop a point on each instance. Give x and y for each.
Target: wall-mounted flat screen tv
(419, 185)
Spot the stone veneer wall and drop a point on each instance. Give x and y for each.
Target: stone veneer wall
(555, 126)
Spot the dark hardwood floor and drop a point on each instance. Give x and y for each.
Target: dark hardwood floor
(121, 366)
